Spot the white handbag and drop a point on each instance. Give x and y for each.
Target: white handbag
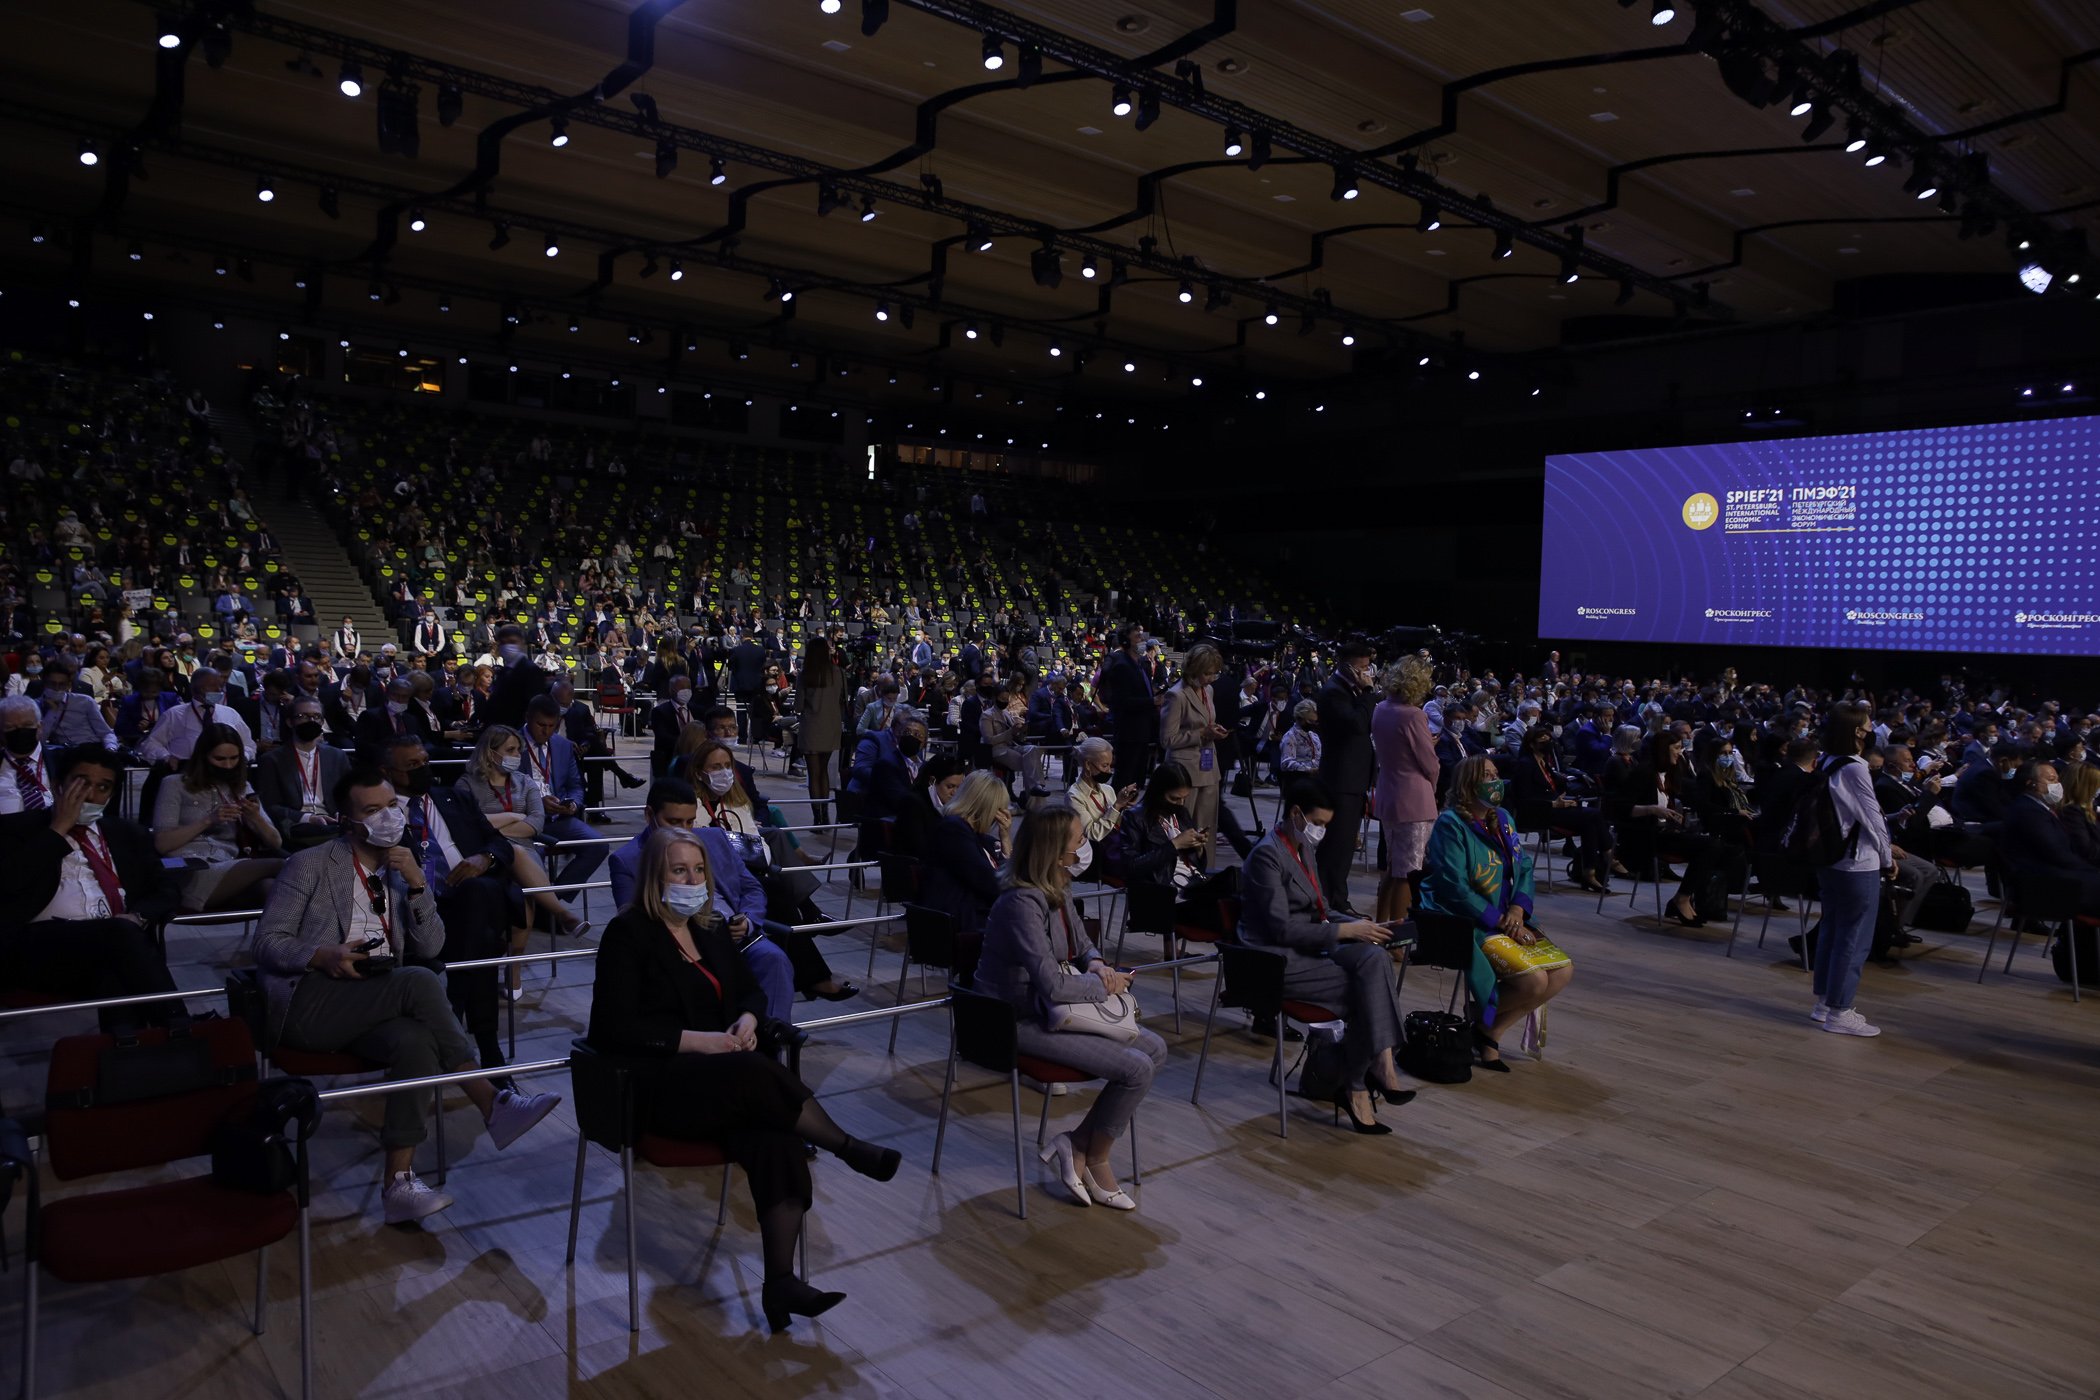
(1114, 1019)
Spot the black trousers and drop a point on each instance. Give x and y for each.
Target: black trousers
(748, 1103)
(477, 925)
(1338, 849)
(754, 718)
(88, 960)
(1592, 832)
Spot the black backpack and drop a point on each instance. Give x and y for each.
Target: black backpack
(1438, 1047)
(1816, 836)
(1946, 908)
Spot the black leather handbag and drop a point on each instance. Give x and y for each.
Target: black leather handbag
(1437, 1046)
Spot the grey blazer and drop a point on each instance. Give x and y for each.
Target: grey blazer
(1279, 906)
(310, 906)
(1024, 941)
(1183, 725)
(277, 782)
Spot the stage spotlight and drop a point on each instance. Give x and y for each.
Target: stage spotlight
(1922, 182)
(170, 32)
(89, 154)
(1474, 375)
(1855, 137)
(1148, 109)
(1195, 381)
(1056, 350)
(868, 211)
(1820, 120)
(445, 304)
(1570, 269)
(873, 15)
(1432, 218)
(574, 325)
(831, 7)
(1120, 102)
(501, 236)
(553, 246)
(777, 290)
(451, 102)
(649, 267)
(1349, 338)
(1262, 151)
(1877, 153)
(666, 157)
(717, 173)
(1235, 143)
(1214, 298)
(1269, 317)
(1129, 367)
(1088, 268)
(828, 199)
(1344, 185)
(1804, 102)
(1505, 243)
(980, 239)
(677, 270)
(264, 190)
(565, 371)
(373, 291)
(351, 80)
(1187, 293)
(416, 222)
(970, 330)
(135, 253)
(1118, 273)
(1047, 266)
(882, 311)
(1662, 13)
(994, 55)
(558, 132)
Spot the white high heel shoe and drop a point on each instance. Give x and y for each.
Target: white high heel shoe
(1118, 1199)
(1060, 1151)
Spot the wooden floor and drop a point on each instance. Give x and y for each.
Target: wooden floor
(1697, 1194)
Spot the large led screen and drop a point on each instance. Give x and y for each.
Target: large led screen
(1941, 539)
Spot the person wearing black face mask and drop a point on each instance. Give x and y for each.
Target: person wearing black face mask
(296, 780)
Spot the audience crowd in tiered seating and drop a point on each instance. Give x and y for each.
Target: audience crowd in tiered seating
(992, 722)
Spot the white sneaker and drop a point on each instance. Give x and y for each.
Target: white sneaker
(513, 1115)
(407, 1199)
(1055, 1091)
(1820, 1014)
(1850, 1022)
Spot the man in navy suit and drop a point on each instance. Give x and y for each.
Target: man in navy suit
(139, 711)
(552, 759)
(2033, 843)
(468, 866)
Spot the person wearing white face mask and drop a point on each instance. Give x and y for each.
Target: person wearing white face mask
(78, 892)
(1038, 957)
(498, 782)
(1329, 958)
(2035, 845)
(340, 915)
(672, 989)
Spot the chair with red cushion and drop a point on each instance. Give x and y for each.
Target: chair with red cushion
(102, 1119)
(604, 1091)
(244, 1002)
(1150, 909)
(933, 939)
(1252, 978)
(983, 1032)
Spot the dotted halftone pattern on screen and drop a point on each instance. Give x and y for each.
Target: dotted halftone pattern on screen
(1963, 537)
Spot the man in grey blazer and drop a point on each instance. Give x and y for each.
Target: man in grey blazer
(339, 914)
(1329, 958)
(296, 780)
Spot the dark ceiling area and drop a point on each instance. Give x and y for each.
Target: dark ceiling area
(905, 203)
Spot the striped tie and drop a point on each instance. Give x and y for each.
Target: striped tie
(30, 786)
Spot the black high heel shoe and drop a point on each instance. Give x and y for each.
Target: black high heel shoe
(1374, 1128)
(1482, 1043)
(781, 1298)
(1395, 1097)
(846, 992)
(876, 1163)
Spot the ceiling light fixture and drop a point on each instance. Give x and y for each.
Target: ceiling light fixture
(416, 222)
(1235, 143)
(89, 155)
(716, 172)
(1855, 137)
(677, 270)
(1505, 243)
(351, 80)
(558, 132)
(1432, 218)
(1661, 14)
(501, 236)
(264, 190)
(882, 311)
(553, 246)
(666, 157)
(868, 211)
(1148, 109)
(1345, 186)
(1119, 103)
(994, 55)
(1089, 268)
(1269, 317)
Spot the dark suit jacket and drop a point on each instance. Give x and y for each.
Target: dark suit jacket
(375, 729)
(1347, 760)
(747, 666)
(130, 730)
(512, 691)
(469, 830)
(2034, 842)
(646, 995)
(29, 874)
(1981, 795)
(960, 880)
(277, 782)
(665, 726)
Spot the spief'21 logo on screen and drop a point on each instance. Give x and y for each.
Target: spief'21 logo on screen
(1701, 510)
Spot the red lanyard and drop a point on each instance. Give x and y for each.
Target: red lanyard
(309, 781)
(1319, 900)
(95, 850)
(1071, 942)
(712, 980)
(1210, 713)
(374, 894)
(505, 794)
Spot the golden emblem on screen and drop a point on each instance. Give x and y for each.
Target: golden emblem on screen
(1701, 510)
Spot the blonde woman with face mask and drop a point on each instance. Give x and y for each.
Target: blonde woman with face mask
(502, 785)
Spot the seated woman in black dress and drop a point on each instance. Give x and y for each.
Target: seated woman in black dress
(1654, 800)
(1541, 795)
(672, 986)
(965, 849)
(1161, 844)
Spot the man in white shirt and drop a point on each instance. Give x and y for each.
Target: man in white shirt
(175, 736)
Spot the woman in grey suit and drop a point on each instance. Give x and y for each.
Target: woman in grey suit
(1189, 731)
(1027, 936)
(1328, 959)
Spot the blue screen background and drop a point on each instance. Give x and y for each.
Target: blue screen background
(1981, 539)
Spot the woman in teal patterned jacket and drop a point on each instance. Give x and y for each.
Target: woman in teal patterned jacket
(1478, 871)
